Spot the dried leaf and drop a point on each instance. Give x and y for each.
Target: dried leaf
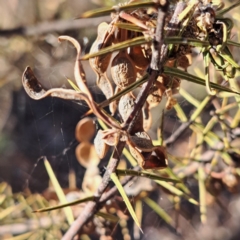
(86, 154)
(59, 191)
(85, 130)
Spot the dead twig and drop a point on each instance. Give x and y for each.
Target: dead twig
(53, 26)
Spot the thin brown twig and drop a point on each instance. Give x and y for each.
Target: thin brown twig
(53, 26)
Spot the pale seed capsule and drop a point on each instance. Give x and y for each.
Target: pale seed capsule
(123, 70)
(104, 39)
(125, 107)
(100, 146)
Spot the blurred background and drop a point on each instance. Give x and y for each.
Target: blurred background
(29, 129)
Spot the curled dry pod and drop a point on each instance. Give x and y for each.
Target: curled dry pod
(170, 82)
(86, 154)
(100, 64)
(169, 87)
(123, 70)
(85, 130)
(100, 146)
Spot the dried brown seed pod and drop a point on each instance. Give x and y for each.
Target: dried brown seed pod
(147, 155)
(86, 154)
(157, 160)
(140, 141)
(169, 86)
(123, 70)
(231, 181)
(125, 107)
(106, 87)
(85, 130)
(100, 145)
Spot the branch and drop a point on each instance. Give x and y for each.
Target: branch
(53, 26)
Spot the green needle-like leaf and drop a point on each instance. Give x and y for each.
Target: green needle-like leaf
(107, 216)
(59, 191)
(225, 10)
(187, 41)
(226, 54)
(87, 199)
(129, 26)
(144, 174)
(236, 44)
(73, 85)
(189, 77)
(119, 46)
(125, 198)
(107, 10)
(176, 191)
(202, 193)
(156, 208)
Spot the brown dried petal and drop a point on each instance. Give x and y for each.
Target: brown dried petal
(86, 154)
(85, 130)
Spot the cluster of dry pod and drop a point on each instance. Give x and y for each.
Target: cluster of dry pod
(128, 65)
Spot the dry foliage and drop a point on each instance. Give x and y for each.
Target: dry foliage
(140, 58)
